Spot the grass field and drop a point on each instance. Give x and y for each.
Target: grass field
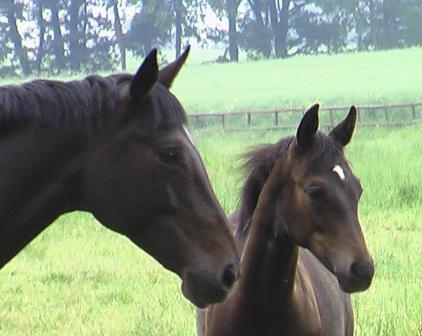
(355, 78)
(77, 278)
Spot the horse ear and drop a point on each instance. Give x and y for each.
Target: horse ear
(343, 132)
(308, 127)
(169, 72)
(146, 76)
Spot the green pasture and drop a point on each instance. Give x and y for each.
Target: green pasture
(354, 78)
(78, 278)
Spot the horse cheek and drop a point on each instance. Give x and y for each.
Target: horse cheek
(297, 217)
(114, 187)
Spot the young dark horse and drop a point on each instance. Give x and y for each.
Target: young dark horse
(116, 147)
(301, 242)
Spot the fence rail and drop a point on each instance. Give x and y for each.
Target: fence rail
(282, 118)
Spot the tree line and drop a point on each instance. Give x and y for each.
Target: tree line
(51, 36)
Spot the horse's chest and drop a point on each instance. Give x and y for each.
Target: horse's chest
(301, 320)
(303, 316)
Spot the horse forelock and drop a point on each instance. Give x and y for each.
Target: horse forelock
(324, 150)
(158, 109)
(168, 112)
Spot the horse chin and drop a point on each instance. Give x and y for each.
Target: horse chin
(201, 291)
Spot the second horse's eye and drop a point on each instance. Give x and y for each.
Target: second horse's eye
(316, 192)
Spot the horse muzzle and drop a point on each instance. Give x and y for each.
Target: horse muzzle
(203, 289)
(358, 277)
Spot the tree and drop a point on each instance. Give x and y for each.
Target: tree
(324, 27)
(151, 26)
(384, 24)
(178, 11)
(279, 16)
(57, 40)
(228, 9)
(255, 29)
(11, 11)
(80, 35)
(41, 37)
(231, 7)
(119, 33)
(411, 23)
(76, 31)
(159, 22)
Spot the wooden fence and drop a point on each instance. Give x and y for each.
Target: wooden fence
(368, 115)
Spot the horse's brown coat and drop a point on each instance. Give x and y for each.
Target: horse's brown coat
(117, 147)
(296, 220)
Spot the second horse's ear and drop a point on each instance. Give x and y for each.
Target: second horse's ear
(169, 72)
(342, 133)
(307, 128)
(145, 77)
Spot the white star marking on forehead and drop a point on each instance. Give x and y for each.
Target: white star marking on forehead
(188, 135)
(339, 171)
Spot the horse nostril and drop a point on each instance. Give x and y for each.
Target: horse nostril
(229, 275)
(363, 269)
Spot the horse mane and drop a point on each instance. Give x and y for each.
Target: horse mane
(86, 102)
(258, 163)
(56, 103)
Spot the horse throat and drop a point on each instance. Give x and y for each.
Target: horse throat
(269, 257)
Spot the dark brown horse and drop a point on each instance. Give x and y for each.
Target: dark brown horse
(117, 147)
(300, 237)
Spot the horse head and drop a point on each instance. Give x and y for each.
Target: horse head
(320, 196)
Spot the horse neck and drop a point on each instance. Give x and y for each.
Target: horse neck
(37, 183)
(269, 257)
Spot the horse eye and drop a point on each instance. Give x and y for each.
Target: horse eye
(315, 192)
(169, 155)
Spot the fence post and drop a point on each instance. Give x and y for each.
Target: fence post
(330, 111)
(248, 115)
(387, 119)
(276, 118)
(413, 111)
(223, 121)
